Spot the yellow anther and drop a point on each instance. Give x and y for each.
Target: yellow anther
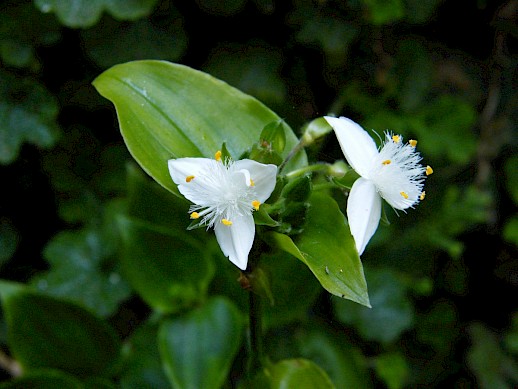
(217, 156)
(386, 162)
(412, 142)
(226, 222)
(256, 204)
(422, 196)
(252, 183)
(404, 194)
(195, 215)
(429, 170)
(189, 178)
(396, 138)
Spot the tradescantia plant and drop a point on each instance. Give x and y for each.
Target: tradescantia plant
(244, 174)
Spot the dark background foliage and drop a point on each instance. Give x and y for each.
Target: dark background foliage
(444, 72)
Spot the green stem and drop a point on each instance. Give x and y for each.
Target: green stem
(299, 146)
(256, 333)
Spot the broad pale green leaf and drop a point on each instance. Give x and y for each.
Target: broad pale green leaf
(327, 247)
(81, 272)
(168, 110)
(44, 332)
(392, 311)
(298, 373)
(199, 347)
(28, 113)
(169, 270)
(86, 13)
(142, 367)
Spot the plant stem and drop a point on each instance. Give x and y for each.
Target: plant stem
(299, 146)
(256, 333)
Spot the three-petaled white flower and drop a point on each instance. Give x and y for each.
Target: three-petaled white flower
(393, 173)
(224, 195)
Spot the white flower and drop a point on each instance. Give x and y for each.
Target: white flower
(225, 193)
(393, 173)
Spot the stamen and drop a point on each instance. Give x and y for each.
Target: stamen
(189, 178)
(396, 138)
(256, 204)
(404, 194)
(429, 170)
(195, 215)
(217, 156)
(252, 183)
(422, 196)
(226, 222)
(386, 162)
(412, 142)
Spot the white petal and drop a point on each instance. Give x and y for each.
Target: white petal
(264, 177)
(181, 168)
(236, 240)
(357, 145)
(363, 212)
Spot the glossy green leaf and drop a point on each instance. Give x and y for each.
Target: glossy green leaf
(81, 272)
(392, 311)
(327, 247)
(298, 373)
(199, 347)
(43, 379)
(169, 111)
(44, 332)
(28, 113)
(169, 270)
(142, 367)
(85, 13)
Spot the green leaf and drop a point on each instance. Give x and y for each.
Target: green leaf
(198, 348)
(43, 379)
(391, 314)
(384, 12)
(28, 113)
(9, 240)
(114, 42)
(298, 373)
(492, 367)
(327, 247)
(23, 30)
(80, 271)
(86, 13)
(44, 332)
(169, 111)
(169, 270)
(345, 365)
(393, 369)
(254, 68)
(142, 365)
(294, 289)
